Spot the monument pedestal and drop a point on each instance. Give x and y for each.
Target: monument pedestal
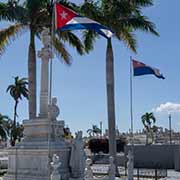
(29, 160)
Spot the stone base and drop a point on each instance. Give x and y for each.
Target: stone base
(22, 177)
(29, 160)
(76, 178)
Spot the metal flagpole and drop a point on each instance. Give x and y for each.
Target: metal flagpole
(131, 104)
(131, 152)
(170, 129)
(50, 89)
(51, 63)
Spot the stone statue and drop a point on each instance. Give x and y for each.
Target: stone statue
(88, 174)
(77, 159)
(130, 165)
(112, 169)
(46, 38)
(45, 53)
(55, 165)
(53, 109)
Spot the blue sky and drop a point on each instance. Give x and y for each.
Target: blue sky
(81, 89)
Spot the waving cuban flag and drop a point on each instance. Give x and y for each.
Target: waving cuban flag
(66, 19)
(142, 69)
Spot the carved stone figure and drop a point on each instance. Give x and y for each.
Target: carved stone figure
(55, 165)
(77, 159)
(130, 165)
(46, 38)
(88, 174)
(53, 109)
(112, 169)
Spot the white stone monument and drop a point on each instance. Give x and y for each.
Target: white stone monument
(112, 169)
(130, 165)
(43, 136)
(53, 109)
(78, 157)
(55, 164)
(88, 174)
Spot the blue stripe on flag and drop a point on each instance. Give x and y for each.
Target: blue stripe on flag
(145, 71)
(90, 26)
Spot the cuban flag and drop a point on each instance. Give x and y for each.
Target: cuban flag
(66, 19)
(142, 69)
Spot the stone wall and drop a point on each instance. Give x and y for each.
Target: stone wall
(156, 156)
(104, 159)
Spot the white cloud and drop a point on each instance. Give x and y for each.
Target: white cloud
(168, 107)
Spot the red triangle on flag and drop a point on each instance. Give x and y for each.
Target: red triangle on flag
(137, 64)
(63, 15)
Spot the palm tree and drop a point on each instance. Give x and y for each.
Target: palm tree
(123, 17)
(4, 132)
(148, 119)
(18, 133)
(94, 131)
(17, 91)
(34, 15)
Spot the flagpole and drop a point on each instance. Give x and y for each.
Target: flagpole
(131, 104)
(51, 63)
(131, 155)
(50, 91)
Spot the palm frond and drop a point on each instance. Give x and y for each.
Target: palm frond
(141, 23)
(89, 40)
(68, 4)
(13, 13)
(9, 34)
(128, 38)
(34, 6)
(142, 3)
(18, 89)
(73, 40)
(61, 51)
(9, 87)
(92, 10)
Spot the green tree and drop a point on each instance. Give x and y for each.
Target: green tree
(148, 120)
(4, 131)
(33, 16)
(124, 17)
(94, 131)
(18, 132)
(18, 90)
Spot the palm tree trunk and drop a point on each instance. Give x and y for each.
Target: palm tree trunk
(13, 135)
(152, 136)
(15, 112)
(110, 99)
(32, 75)
(146, 138)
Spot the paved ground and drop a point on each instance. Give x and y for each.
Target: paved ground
(172, 175)
(102, 169)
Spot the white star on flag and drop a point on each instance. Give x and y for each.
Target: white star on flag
(63, 15)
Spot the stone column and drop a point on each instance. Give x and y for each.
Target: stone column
(45, 54)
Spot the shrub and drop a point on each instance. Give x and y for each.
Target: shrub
(102, 145)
